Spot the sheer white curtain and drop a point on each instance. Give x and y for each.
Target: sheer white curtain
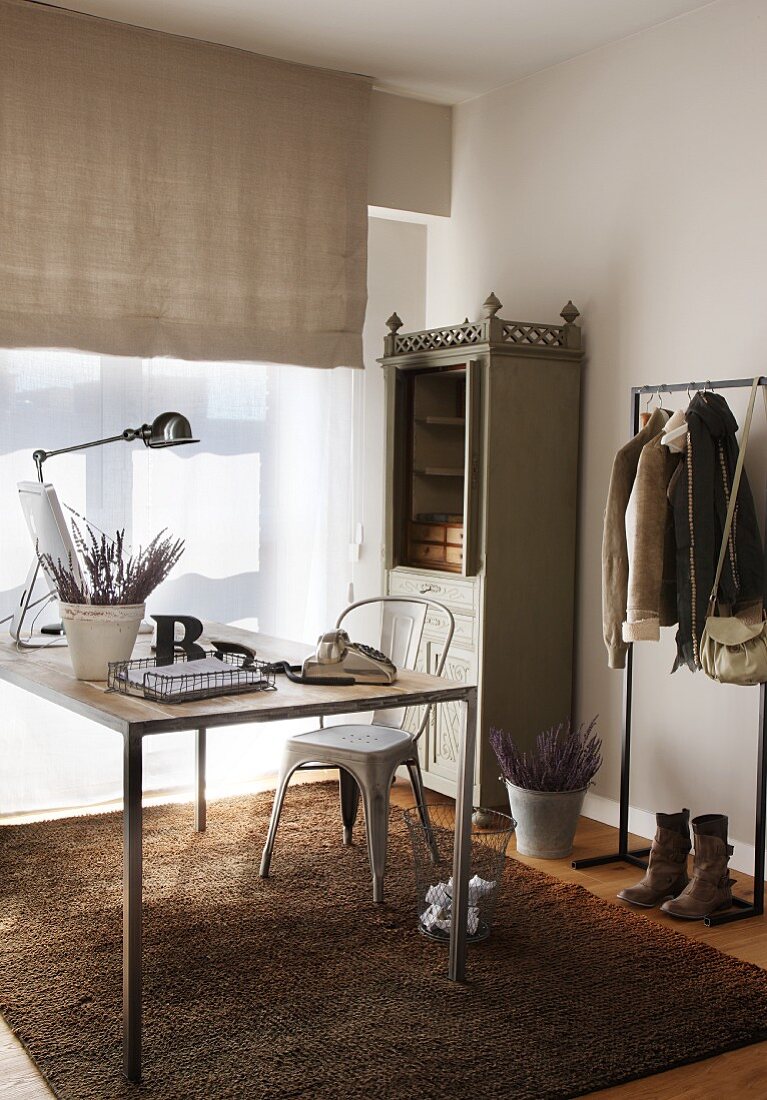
(265, 503)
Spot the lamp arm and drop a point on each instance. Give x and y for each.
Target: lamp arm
(128, 436)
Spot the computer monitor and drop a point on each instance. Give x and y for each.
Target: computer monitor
(50, 536)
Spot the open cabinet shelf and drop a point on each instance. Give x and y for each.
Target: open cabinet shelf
(439, 471)
(432, 498)
(443, 421)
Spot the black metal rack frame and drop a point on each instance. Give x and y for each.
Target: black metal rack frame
(742, 909)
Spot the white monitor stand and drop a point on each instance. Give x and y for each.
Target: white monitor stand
(50, 536)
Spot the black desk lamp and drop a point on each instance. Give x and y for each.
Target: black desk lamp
(169, 429)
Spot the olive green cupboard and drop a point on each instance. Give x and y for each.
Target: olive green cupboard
(482, 483)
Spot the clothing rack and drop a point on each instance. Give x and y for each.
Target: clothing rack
(742, 909)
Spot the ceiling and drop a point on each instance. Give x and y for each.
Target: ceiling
(446, 50)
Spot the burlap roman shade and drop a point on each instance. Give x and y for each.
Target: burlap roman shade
(161, 196)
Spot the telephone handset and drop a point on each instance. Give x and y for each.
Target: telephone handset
(339, 660)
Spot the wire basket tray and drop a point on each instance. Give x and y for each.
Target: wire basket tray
(239, 674)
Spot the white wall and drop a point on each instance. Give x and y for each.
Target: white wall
(410, 153)
(634, 180)
(396, 281)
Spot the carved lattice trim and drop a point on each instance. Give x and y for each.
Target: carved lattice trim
(550, 336)
(454, 337)
(470, 332)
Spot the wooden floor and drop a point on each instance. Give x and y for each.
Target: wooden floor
(740, 1073)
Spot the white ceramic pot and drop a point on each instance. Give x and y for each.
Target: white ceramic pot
(98, 634)
(546, 820)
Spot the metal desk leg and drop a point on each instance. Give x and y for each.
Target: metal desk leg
(200, 805)
(462, 848)
(132, 856)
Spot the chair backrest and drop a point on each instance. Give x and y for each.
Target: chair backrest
(402, 624)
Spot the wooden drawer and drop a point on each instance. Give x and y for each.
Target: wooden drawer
(428, 552)
(437, 544)
(435, 556)
(460, 594)
(437, 532)
(427, 532)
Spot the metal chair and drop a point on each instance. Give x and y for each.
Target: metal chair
(367, 756)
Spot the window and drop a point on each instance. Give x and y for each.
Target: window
(265, 504)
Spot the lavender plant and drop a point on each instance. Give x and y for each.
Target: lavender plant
(110, 573)
(564, 758)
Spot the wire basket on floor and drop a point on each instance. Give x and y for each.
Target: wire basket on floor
(433, 860)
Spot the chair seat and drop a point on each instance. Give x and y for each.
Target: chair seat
(373, 743)
(368, 756)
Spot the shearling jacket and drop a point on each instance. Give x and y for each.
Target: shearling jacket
(615, 559)
(651, 600)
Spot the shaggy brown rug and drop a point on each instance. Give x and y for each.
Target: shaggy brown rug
(301, 987)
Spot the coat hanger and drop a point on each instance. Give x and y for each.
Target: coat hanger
(675, 433)
(644, 417)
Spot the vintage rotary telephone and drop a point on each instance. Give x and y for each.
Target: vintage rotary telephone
(338, 660)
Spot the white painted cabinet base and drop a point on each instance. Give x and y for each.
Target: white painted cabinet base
(440, 742)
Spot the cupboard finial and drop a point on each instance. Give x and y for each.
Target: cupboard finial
(394, 323)
(569, 313)
(491, 305)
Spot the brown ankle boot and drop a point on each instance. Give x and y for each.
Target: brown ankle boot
(667, 867)
(709, 889)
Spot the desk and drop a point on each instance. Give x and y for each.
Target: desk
(48, 673)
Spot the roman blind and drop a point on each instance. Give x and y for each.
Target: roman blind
(161, 196)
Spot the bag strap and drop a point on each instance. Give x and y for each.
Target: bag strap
(734, 491)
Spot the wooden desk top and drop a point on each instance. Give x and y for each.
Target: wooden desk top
(48, 674)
